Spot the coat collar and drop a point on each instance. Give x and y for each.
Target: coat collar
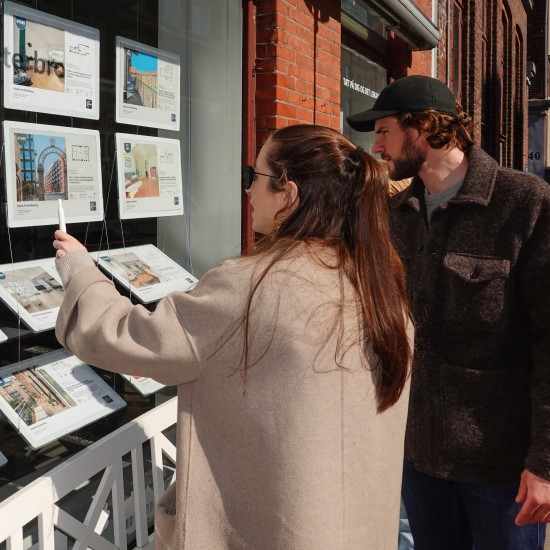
(477, 187)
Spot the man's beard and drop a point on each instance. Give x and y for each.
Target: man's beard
(409, 162)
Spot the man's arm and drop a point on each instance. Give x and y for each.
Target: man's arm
(534, 275)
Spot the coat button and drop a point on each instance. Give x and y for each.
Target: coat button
(419, 247)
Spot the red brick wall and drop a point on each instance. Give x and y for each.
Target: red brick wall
(298, 75)
(498, 105)
(472, 73)
(298, 68)
(297, 65)
(403, 61)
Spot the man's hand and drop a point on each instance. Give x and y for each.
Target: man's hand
(64, 244)
(534, 492)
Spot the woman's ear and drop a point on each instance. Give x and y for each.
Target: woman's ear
(292, 193)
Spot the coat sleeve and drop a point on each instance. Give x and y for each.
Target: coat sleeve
(534, 275)
(170, 344)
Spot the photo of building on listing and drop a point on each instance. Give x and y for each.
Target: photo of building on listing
(140, 79)
(40, 167)
(34, 395)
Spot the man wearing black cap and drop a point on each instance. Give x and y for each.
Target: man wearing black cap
(475, 241)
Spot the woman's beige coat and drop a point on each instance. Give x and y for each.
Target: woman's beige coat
(302, 461)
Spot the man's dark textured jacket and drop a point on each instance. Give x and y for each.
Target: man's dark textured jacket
(479, 283)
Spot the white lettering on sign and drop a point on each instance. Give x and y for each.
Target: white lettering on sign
(359, 87)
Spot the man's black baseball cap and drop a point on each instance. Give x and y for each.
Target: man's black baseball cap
(410, 94)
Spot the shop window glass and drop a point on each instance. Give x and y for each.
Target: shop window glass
(207, 35)
(364, 16)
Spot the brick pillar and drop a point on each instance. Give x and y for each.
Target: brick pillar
(297, 64)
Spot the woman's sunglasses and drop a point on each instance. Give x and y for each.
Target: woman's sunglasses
(248, 175)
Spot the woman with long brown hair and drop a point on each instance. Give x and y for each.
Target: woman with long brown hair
(292, 363)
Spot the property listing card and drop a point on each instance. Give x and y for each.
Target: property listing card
(46, 163)
(33, 291)
(51, 65)
(145, 386)
(146, 271)
(147, 86)
(52, 395)
(149, 176)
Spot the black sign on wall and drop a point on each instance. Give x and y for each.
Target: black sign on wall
(362, 82)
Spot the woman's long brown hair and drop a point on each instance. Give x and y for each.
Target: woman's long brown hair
(343, 204)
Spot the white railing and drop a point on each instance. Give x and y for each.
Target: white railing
(100, 498)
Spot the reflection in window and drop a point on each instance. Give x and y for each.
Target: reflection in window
(356, 9)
